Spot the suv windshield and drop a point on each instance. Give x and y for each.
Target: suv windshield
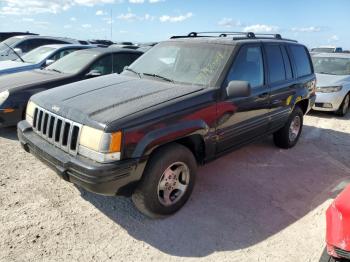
(332, 65)
(37, 55)
(183, 62)
(10, 42)
(73, 63)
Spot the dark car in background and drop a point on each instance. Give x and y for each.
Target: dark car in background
(6, 35)
(183, 103)
(16, 89)
(39, 58)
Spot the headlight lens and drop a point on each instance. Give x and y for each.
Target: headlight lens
(329, 89)
(3, 96)
(30, 112)
(100, 146)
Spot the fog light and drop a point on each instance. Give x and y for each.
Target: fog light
(327, 105)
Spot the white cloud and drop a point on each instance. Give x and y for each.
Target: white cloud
(73, 19)
(229, 22)
(67, 26)
(260, 28)
(130, 17)
(136, 1)
(155, 1)
(333, 38)
(306, 29)
(86, 26)
(100, 12)
(174, 19)
(27, 19)
(22, 7)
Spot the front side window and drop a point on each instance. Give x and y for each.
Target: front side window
(301, 60)
(275, 63)
(62, 53)
(103, 65)
(122, 60)
(248, 66)
(332, 65)
(185, 63)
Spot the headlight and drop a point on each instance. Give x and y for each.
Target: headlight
(3, 96)
(100, 146)
(30, 112)
(329, 89)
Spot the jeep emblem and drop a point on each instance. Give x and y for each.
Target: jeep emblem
(55, 108)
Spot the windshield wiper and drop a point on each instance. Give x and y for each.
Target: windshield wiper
(13, 50)
(132, 70)
(160, 77)
(53, 69)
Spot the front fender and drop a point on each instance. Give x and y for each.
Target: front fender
(168, 134)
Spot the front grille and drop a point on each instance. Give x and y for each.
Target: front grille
(57, 130)
(342, 253)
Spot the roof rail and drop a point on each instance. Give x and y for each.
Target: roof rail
(237, 35)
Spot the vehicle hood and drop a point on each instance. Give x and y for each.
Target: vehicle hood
(22, 80)
(324, 80)
(7, 67)
(105, 99)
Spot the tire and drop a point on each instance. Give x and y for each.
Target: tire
(344, 107)
(161, 193)
(282, 138)
(325, 257)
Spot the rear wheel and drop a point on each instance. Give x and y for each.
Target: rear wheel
(344, 107)
(167, 182)
(288, 135)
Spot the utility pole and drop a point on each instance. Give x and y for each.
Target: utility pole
(111, 24)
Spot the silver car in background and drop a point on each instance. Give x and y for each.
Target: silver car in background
(333, 82)
(16, 46)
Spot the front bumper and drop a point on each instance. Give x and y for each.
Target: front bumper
(105, 179)
(329, 101)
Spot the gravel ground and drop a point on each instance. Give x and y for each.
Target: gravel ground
(259, 203)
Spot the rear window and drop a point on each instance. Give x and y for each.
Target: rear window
(301, 59)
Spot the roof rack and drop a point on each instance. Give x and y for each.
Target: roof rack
(236, 35)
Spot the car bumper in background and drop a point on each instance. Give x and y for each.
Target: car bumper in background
(8, 119)
(329, 101)
(106, 179)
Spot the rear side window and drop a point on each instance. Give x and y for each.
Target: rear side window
(287, 64)
(301, 59)
(275, 62)
(248, 66)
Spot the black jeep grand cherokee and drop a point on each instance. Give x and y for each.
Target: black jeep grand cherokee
(185, 102)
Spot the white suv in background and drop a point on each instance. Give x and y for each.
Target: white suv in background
(16, 46)
(333, 82)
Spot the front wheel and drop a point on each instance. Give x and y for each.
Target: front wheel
(344, 108)
(288, 135)
(167, 182)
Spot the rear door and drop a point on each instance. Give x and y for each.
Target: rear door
(281, 83)
(242, 119)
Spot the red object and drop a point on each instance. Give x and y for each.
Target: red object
(338, 224)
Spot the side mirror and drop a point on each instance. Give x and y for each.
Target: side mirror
(125, 67)
(49, 62)
(237, 89)
(18, 51)
(93, 73)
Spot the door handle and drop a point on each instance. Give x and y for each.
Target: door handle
(263, 95)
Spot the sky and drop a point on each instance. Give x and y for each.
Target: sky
(314, 23)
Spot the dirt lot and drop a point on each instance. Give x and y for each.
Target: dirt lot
(256, 204)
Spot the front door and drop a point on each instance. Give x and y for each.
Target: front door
(246, 118)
